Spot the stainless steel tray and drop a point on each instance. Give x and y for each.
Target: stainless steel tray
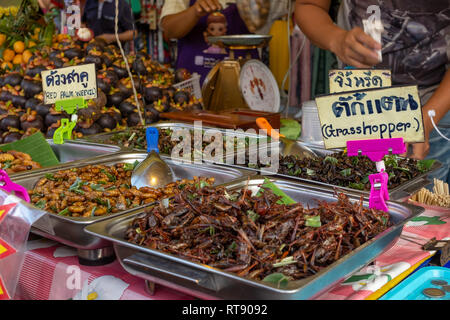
(69, 230)
(399, 193)
(74, 150)
(202, 281)
(104, 137)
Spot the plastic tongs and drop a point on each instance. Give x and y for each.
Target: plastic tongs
(64, 132)
(375, 150)
(9, 186)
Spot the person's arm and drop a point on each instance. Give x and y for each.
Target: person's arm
(125, 23)
(178, 25)
(353, 47)
(440, 103)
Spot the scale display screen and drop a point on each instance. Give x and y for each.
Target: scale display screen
(259, 87)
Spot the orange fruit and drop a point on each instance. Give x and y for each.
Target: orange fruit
(31, 44)
(8, 55)
(26, 55)
(7, 64)
(19, 46)
(2, 39)
(17, 59)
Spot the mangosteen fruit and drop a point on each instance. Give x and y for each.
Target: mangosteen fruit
(54, 54)
(107, 60)
(58, 62)
(133, 119)
(93, 129)
(97, 60)
(101, 99)
(152, 94)
(18, 101)
(126, 108)
(37, 123)
(121, 72)
(182, 74)
(11, 137)
(181, 97)
(13, 79)
(10, 121)
(31, 87)
(42, 109)
(32, 103)
(103, 85)
(52, 118)
(151, 115)
(114, 99)
(73, 52)
(50, 132)
(116, 115)
(169, 92)
(3, 110)
(126, 92)
(112, 76)
(2, 80)
(106, 121)
(139, 66)
(5, 96)
(32, 72)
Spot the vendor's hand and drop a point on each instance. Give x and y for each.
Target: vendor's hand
(420, 150)
(356, 48)
(204, 7)
(108, 37)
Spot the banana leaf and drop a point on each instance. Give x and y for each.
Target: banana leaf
(37, 147)
(285, 199)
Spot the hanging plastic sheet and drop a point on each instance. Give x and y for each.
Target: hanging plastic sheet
(16, 219)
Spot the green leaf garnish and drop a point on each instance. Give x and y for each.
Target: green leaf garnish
(313, 221)
(346, 172)
(278, 279)
(425, 165)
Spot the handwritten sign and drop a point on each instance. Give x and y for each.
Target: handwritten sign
(392, 112)
(358, 79)
(70, 82)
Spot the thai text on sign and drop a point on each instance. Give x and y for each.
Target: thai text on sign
(393, 112)
(358, 79)
(70, 82)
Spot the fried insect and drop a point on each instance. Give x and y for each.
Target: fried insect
(96, 190)
(15, 161)
(256, 235)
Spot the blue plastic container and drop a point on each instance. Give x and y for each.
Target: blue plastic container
(412, 287)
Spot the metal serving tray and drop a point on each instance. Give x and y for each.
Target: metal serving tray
(399, 193)
(205, 282)
(69, 230)
(74, 150)
(104, 137)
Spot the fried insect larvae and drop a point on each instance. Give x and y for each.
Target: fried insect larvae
(97, 190)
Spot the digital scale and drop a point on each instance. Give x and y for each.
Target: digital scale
(242, 83)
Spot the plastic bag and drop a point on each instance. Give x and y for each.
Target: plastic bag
(254, 13)
(16, 219)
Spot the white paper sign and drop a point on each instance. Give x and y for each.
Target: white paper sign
(342, 80)
(69, 83)
(392, 112)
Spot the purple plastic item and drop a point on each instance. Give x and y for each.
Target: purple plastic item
(375, 149)
(9, 186)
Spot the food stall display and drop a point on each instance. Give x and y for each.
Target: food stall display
(22, 102)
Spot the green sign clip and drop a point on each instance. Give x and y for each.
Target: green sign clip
(71, 106)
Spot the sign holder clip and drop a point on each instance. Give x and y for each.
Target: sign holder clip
(71, 106)
(375, 150)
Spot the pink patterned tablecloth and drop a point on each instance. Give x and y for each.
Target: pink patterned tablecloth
(51, 270)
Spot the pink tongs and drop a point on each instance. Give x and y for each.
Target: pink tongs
(9, 186)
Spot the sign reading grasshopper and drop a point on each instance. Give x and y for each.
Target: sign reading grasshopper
(69, 83)
(392, 112)
(358, 79)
